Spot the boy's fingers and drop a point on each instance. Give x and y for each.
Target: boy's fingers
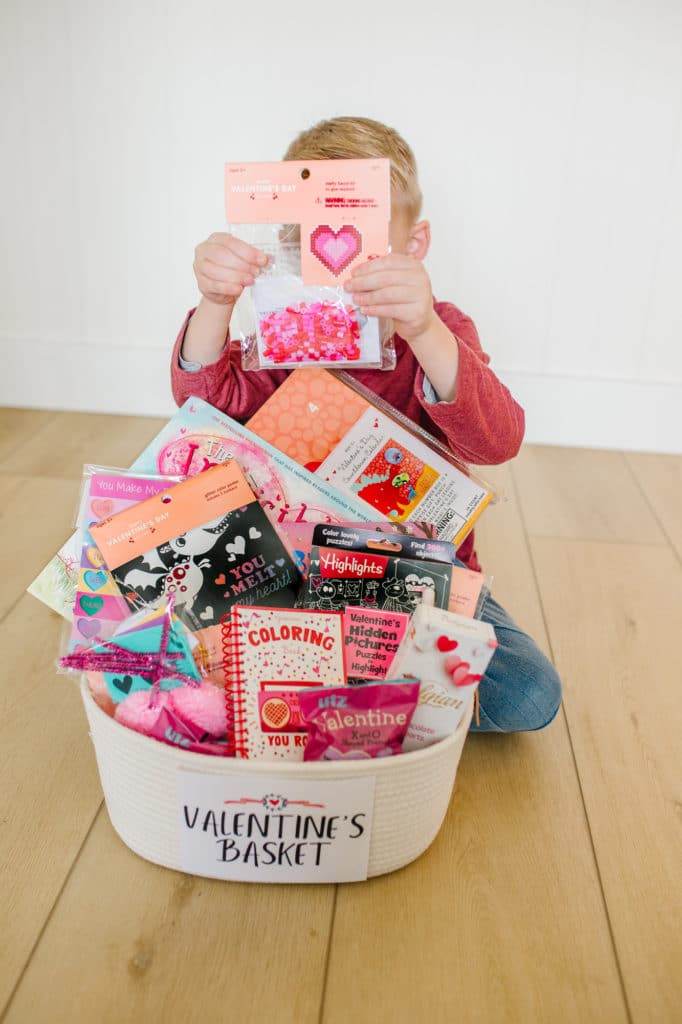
(230, 287)
(381, 279)
(391, 312)
(226, 258)
(393, 261)
(241, 249)
(397, 295)
(240, 270)
(215, 289)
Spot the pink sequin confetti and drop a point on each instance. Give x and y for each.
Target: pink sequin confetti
(310, 333)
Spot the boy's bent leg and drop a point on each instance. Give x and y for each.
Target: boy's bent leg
(521, 691)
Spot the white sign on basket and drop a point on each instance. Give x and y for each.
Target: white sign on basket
(265, 829)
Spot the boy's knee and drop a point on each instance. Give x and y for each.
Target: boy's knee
(521, 692)
(543, 695)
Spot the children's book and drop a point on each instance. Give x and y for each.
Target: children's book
(339, 578)
(370, 451)
(371, 639)
(466, 584)
(449, 654)
(208, 542)
(196, 438)
(271, 653)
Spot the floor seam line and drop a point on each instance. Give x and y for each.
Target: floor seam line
(576, 769)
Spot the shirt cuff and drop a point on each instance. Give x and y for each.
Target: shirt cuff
(430, 396)
(190, 366)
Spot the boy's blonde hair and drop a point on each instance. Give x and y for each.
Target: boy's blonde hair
(350, 138)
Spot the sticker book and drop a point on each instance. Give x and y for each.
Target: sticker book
(99, 607)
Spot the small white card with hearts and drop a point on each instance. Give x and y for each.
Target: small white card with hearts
(262, 828)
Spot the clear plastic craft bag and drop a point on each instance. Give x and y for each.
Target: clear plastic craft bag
(315, 220)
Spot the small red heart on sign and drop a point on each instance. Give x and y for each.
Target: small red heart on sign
(444, 643)
(273, 803)
(220, 579)
(336, 250)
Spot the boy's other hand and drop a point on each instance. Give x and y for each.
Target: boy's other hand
(224, 266)
(397, 287)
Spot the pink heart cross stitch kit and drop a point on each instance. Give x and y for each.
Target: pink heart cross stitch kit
(316, 220)
(342, 209)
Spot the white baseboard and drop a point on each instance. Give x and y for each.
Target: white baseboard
(585, 413)
(560, 410)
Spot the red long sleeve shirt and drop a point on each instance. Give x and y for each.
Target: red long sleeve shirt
(484, 425)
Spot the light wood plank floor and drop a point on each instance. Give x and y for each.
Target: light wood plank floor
(553, 891)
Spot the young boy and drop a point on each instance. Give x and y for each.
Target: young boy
(442, 379)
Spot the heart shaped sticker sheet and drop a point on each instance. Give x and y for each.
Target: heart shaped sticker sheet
(99, 606)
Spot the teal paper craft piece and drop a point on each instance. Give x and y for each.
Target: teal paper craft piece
(147, 641)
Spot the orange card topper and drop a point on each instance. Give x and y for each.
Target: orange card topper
(169, 514)
(343, 208)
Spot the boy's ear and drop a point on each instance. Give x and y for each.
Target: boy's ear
(419, 240)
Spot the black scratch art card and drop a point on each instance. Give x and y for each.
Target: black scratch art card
(208, 542)
(337, 578)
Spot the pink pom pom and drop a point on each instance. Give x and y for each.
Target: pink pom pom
(140, 710)
(201, 707)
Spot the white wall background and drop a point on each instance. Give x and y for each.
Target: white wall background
(549, 138)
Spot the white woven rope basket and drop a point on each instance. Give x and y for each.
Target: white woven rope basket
(138, 776)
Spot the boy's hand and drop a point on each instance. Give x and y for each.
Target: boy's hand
(397, 287)
(224, 266)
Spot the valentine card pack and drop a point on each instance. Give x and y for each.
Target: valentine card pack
(466, 586)
(196, 438)
(339, 578)
(208, 542)
(371, 638)
(316, 220)
(371, 452)
(98, 606)
(270, 655)
(449, 655)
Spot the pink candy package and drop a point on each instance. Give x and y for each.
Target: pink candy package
(354, 723)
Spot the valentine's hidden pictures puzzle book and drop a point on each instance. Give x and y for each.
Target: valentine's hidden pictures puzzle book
(271, 654)
(208, 542)
(196, 438)
(363, 449)
(371, 639)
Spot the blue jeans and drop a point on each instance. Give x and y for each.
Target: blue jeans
(521, 690)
